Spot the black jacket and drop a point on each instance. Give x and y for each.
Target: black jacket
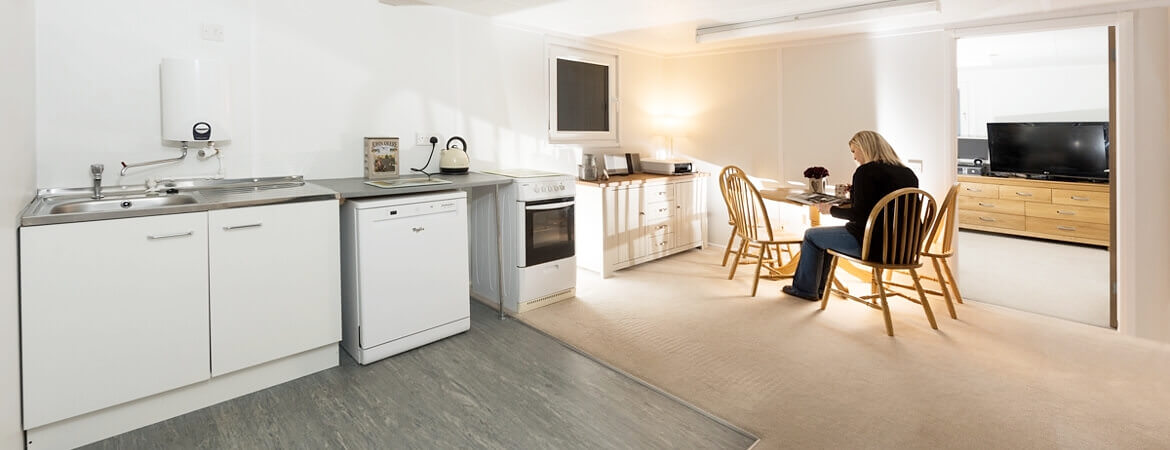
(871, 182)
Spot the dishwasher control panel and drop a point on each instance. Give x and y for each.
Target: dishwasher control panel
(409, 210)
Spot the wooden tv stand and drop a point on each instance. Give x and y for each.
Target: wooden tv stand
(1056, 210)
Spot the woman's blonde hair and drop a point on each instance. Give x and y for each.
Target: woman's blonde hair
(875, 148)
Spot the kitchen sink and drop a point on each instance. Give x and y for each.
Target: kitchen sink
(122, 203)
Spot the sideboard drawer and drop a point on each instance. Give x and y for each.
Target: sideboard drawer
(1081, 230)
(989, 219)
(991, 205)
(1080, 198)
(979, 190)
(1027, 194)
(1069, 212)
(657, 212)
(657, 192)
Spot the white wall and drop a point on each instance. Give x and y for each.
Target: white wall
(892, 85)
(729, 106)
(1058, 75)
(1143, 211)
(16, 189)
(309, 81)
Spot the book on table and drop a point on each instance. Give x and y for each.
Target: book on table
(812, 198)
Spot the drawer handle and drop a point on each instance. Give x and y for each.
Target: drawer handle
(974, 189)
(417, 229)
(987, 205)
(987, 219)
(240, 227)
(1079, 198)
(663, 209)
(1066, 213)
(1024, 194)
(1066, 228)
(168, 236)
(661, 227)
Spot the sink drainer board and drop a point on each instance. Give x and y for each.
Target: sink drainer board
(407, 182)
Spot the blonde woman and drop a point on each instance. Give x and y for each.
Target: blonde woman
(879, 172)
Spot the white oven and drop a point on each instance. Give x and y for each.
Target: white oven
(539, 243)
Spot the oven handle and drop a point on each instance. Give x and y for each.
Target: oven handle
(549, 206)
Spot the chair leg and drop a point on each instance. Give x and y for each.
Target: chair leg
(953, 282)
(735, 263)
(759, 264)
(730, 242)
(942, 281)
(877, 281)
(922, 296)
(829, 283)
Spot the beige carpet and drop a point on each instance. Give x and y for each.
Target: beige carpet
(801, 378)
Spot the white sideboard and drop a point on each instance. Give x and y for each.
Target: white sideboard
(629, 220)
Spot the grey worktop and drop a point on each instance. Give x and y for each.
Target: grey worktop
(210, 195)
(356, 187)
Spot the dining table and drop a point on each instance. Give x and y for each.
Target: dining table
(814, 220)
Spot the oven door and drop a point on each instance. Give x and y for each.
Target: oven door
(547, 233)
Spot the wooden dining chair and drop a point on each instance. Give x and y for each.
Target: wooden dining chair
(940, 245)
(901, 221)
(723, 176)
(754, 229)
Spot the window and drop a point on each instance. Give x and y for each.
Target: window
(582, 96)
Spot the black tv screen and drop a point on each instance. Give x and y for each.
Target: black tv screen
(1077, 150)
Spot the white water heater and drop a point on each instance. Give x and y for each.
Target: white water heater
(194, 100)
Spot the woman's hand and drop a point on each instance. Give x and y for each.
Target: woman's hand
(824, 207)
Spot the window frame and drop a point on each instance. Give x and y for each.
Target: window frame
(591, 55)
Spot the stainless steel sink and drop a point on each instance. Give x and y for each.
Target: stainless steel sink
(122, 203)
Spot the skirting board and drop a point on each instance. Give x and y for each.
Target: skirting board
(115, 420)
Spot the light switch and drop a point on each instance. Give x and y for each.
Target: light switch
(212, 32)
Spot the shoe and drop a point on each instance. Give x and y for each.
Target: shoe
(795, 293)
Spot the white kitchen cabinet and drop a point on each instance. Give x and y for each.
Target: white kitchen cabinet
(630, 220)
(111, 311)
(275, 282)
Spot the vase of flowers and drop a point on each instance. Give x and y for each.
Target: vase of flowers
(816, 178)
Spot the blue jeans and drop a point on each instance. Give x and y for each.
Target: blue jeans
(813, 270)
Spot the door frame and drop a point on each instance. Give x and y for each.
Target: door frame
(1122, 249)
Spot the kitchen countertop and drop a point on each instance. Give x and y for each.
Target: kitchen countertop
(357, 188)
(209, 195)
(638, 179)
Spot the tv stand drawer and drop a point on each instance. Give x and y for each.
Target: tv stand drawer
(993, 205)
(994, 220)
(1026, 193)
(983, 190)
(1066, 228)
(1068, 213)
(1080, 198)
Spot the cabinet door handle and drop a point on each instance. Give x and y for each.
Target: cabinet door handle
(1024, 194)
(240, 227)
(987, 219)
(1066, 228)
(168, 236)
(418, 229)
(1079, 198)
(1066, 213)
(987, 205)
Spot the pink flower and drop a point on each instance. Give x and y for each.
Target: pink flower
(816, 172)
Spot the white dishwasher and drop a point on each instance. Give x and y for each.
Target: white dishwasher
(404, 272)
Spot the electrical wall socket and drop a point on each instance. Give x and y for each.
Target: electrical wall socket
(424, 138)
(212, 32)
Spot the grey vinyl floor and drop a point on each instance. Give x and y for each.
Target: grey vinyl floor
(500, 385)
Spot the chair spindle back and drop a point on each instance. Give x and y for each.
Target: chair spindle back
(902, 219)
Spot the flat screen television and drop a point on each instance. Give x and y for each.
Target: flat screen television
(1051, 150)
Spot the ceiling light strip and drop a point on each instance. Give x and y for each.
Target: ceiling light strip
(842, 10)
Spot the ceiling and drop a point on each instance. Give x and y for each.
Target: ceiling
(668, 27)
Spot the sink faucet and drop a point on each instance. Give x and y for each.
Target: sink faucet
(96, 171)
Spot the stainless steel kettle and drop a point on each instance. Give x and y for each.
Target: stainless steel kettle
(454, 159)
